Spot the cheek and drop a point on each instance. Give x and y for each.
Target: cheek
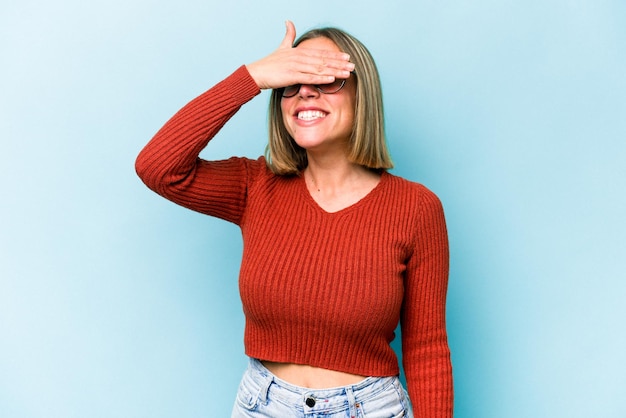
(286, 119)
(287, 123)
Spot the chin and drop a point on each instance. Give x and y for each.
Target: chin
(308, 143)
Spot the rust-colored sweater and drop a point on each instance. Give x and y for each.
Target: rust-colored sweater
(318, 288)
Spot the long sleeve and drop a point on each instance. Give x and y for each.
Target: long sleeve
(169, 163)
(426, 355)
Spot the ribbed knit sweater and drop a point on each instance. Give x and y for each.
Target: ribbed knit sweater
(318, 288)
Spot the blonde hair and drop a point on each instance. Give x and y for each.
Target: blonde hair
(368, 146)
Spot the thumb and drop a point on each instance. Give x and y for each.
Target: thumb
(290, 35)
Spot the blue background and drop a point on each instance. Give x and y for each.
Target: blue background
(116, 303)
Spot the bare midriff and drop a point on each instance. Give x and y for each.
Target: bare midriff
(311, 377)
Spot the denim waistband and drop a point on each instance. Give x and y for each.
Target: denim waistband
(324, 399)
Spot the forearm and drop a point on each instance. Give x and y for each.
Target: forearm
(170, 159)
(429, 379)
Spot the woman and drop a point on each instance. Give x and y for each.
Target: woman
(336, 251)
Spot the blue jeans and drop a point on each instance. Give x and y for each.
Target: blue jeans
(261, 394)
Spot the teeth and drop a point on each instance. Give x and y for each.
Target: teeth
(311, 114)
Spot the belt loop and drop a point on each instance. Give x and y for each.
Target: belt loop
(265, 387)
(351, 401)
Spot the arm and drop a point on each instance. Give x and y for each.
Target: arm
(170, 165)
(426, 356)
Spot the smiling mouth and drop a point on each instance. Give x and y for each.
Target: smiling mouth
(311, 115)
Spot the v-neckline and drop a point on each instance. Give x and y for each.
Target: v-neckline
(309, 197)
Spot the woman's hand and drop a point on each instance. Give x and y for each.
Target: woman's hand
(288, 65)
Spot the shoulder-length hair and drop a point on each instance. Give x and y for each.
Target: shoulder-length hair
(367, 146)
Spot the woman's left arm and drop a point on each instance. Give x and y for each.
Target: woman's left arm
(425, 351)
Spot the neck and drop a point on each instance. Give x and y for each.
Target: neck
(329, 173)
(339, 185)
(332, 176)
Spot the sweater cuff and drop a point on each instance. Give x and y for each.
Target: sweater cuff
(242, 85)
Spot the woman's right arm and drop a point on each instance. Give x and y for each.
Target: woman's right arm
(169, 163)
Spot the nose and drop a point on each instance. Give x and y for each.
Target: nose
(308, 90)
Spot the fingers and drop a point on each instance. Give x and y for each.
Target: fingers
(288, 65)
(323, 62)
(290, 35)
(324, 55)
(332, 55)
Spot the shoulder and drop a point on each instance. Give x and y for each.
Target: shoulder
(424, 212)
(418, 204)
(411, 192)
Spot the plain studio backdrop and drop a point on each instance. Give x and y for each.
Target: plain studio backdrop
(116, 303)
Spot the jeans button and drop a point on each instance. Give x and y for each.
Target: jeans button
(310, 402)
